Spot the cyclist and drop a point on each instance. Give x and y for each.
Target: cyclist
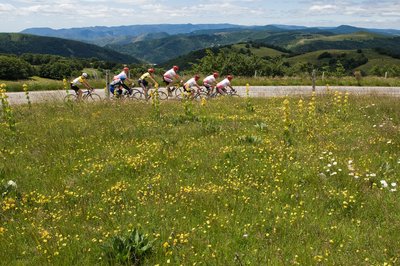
(190, 83)
(143, 80)
(118, 82)
(210, 81)
(169, 78)
(79, 81)
(221, 86)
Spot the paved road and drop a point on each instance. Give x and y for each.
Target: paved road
(255, 91)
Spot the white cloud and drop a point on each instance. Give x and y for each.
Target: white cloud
(81, 13)
(324, 8)
(4, 8)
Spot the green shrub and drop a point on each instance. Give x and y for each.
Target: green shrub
(130, 249)
(13, 68)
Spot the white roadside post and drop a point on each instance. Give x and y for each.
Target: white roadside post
(107, 84)
(313, 79)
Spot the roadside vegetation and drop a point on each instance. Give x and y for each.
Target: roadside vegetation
(280, 181)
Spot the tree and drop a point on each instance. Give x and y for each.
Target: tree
(57, 70)
(340, 70)
(13, 68)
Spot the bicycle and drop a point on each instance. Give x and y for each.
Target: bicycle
(178, 90)
(120, 93)
(138, 94)
(231, 93)
(197, 95)
(88, 95)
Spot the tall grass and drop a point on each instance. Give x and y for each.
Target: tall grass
(293, 182)
(42, 84)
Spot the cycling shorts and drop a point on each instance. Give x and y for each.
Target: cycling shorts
(74, 87)
(208, 86)
(144, 82)
(188, 89)
(167, 80)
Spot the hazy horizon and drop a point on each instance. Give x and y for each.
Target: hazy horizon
(18, 15)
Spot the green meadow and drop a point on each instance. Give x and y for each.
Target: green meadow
(231, 181)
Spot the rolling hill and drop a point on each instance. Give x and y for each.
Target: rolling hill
(164, 49)
(99, 33)
(259, 50)
(16, 43)
(163, 42)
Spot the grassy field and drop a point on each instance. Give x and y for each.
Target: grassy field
(374, 58)
(301, 81)
(358, 36)
(260, 52)
(226, 182)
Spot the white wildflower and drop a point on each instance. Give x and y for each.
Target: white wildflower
(322, 175)
(384, 183)
(11, 183)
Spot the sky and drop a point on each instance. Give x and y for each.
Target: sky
(17, 15)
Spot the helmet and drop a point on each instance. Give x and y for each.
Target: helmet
(196, 77)
(176, 68)
(85, 75)
(126, 68)
(215, 74)
(150, 70)
(230, 77)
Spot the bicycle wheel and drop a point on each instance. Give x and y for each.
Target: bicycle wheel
(179, 93)
(137, 95)
(201, 95)
(93, 97)
(162, 95)
(70, 98)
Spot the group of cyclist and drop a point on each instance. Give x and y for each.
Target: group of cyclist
(170, 78)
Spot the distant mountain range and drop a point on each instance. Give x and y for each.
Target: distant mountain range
(94, 34)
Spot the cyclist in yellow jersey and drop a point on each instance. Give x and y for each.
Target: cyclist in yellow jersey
(143, 80)
(79, 81)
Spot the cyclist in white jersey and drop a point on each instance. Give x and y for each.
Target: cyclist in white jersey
(169, 77)
(210, 81)
(221, 86)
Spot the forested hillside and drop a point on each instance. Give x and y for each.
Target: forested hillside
(16, 43)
